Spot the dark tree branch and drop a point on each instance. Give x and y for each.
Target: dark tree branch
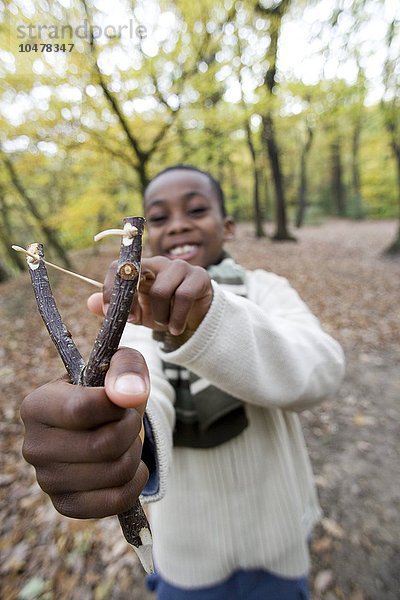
(110, 98)
(161, 134)
(7, 229)
(124, 289)
(103, 145)
(48, 310)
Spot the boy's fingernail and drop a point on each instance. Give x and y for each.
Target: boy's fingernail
(130, 384)
(132, 319)
(105, 308)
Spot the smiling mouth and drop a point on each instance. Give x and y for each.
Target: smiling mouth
(184, 252)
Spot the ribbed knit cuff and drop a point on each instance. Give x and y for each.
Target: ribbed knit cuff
(161, 446)
(172, 342)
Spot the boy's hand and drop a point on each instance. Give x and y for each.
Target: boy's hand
(175, 296)
(84, 442)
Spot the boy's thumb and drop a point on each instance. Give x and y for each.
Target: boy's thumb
(127, 381)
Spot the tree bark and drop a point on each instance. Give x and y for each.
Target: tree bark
(390, 110)
(6, 237)
(258, 218)
(338, 192)
(269, 139)
(394, 247)
(275, 16)
(4, 275)
(303, 184)
(356, 177)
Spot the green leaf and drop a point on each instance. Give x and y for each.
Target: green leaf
(33, 589)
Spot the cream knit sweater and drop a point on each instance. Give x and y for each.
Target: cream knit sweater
(251, 502)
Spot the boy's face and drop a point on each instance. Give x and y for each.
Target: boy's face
(184, 219)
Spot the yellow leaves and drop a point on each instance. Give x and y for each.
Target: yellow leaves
(80, 219)
(362, 420)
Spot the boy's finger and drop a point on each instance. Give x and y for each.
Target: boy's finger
(127, 381)
(183, 302)
(163, 290)
(60, 404)
(135, 315)
(109, 282)
(104, 444)
(102, 503)
(64, 477)
(95, 304)
(98, 302)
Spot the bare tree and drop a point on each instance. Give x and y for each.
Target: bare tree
(258, 217)
(15, 259)
(391, 112)
(142, 154)
(303, 183)
(275, 15)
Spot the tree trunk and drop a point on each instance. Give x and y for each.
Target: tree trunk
(303, 184)
(338, 193)
(4, 275)
(142, 173)
(274, 16)
(269, 139)
(6, 237)
(221, 170)
(258, 219)
(394, 247)
(14, 257)
(234, 190)
(356, 178)
(265, 185)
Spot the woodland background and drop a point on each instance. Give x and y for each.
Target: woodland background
(295, 106)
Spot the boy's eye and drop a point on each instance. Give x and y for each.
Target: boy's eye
(156, 219)
(197, 211)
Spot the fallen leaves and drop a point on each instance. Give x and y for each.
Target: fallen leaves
(322, 581)
(332, 528)
(362, 420)
(353, 437)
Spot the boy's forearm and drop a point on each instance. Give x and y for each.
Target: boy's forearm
(261, 356)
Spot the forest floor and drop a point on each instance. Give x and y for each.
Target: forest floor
(339, 270)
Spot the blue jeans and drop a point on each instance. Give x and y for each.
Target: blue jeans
(242, 585)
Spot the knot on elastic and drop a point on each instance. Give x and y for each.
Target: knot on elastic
(32, 256)
(128, 233)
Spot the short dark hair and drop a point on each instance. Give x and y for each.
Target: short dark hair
(214, 182)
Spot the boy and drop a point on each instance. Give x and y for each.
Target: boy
(232, 355)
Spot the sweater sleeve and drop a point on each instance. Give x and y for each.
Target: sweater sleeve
(267, 349)
(160, 415)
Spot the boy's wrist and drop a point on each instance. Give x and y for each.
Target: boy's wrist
(172, 342)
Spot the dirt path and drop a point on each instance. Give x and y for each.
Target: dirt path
(353, 438)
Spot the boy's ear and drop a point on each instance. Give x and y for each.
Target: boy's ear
(229, 229)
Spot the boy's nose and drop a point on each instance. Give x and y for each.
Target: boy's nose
(179, 224)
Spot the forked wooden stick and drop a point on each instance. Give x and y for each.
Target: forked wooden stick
(133, 522)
